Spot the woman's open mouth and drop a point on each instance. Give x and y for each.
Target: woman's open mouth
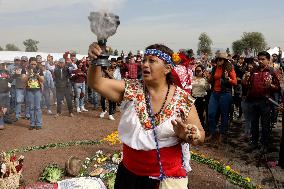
(145, 72)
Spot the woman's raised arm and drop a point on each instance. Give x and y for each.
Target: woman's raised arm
(109, 88)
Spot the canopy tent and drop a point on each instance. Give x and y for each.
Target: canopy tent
(8, 56)
(275, 50)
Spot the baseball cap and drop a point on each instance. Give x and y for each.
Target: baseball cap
(61, 60)
(17, 58)
(24, 58)
(73, 54)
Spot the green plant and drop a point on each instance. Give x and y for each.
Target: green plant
(232, 176)
(52, 173)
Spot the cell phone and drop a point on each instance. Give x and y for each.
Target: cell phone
(274, 102)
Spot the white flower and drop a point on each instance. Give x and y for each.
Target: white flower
(3, 168)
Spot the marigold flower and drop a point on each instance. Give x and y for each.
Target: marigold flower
(112, 138)
(247, 179)
(228, 168)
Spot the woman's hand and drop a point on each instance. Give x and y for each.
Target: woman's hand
(94, 51)
(227, 75)
(188, 133)
(180, 128)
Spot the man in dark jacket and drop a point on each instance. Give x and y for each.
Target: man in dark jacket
(5, 79)
(63, 87)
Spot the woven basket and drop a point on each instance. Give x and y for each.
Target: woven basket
(11, 182)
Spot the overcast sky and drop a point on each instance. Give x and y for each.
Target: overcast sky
(62, 25)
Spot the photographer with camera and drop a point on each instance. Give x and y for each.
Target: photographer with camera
(34, 80)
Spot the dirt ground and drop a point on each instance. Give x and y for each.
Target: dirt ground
(88, 126)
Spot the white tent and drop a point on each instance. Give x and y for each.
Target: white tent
(8, 56)
(275, 50)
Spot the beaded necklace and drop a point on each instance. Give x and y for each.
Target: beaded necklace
(164, 103)
(152, 118)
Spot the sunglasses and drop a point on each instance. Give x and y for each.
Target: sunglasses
(198, 70)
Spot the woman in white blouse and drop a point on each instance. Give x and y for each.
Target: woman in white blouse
(157, 118)
(200, 87)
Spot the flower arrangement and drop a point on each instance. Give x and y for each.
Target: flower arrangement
(11, 169)
(233, 176)
(112, 138)
(105, 167)
(109, 162)
(55, 145)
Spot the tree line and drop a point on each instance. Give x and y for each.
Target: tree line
(30, 46)
(250, 42)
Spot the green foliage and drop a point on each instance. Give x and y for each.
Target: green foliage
(204, 44)
(228, 50)
(130, 54)
(115, 53)
(217, 52)
(238, 47)
(52, 173)
(31, 45)
(55, 145)
(11, 47)
(73, 52)
(111, 181)
(110, 51)
(254, 41)
(233, 176)
(250, 42)
(1, 49)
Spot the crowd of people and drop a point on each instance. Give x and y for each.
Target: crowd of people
(32, 84)
(224, 87)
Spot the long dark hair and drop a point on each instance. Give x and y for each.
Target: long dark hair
(227, 66)
(168, 51)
